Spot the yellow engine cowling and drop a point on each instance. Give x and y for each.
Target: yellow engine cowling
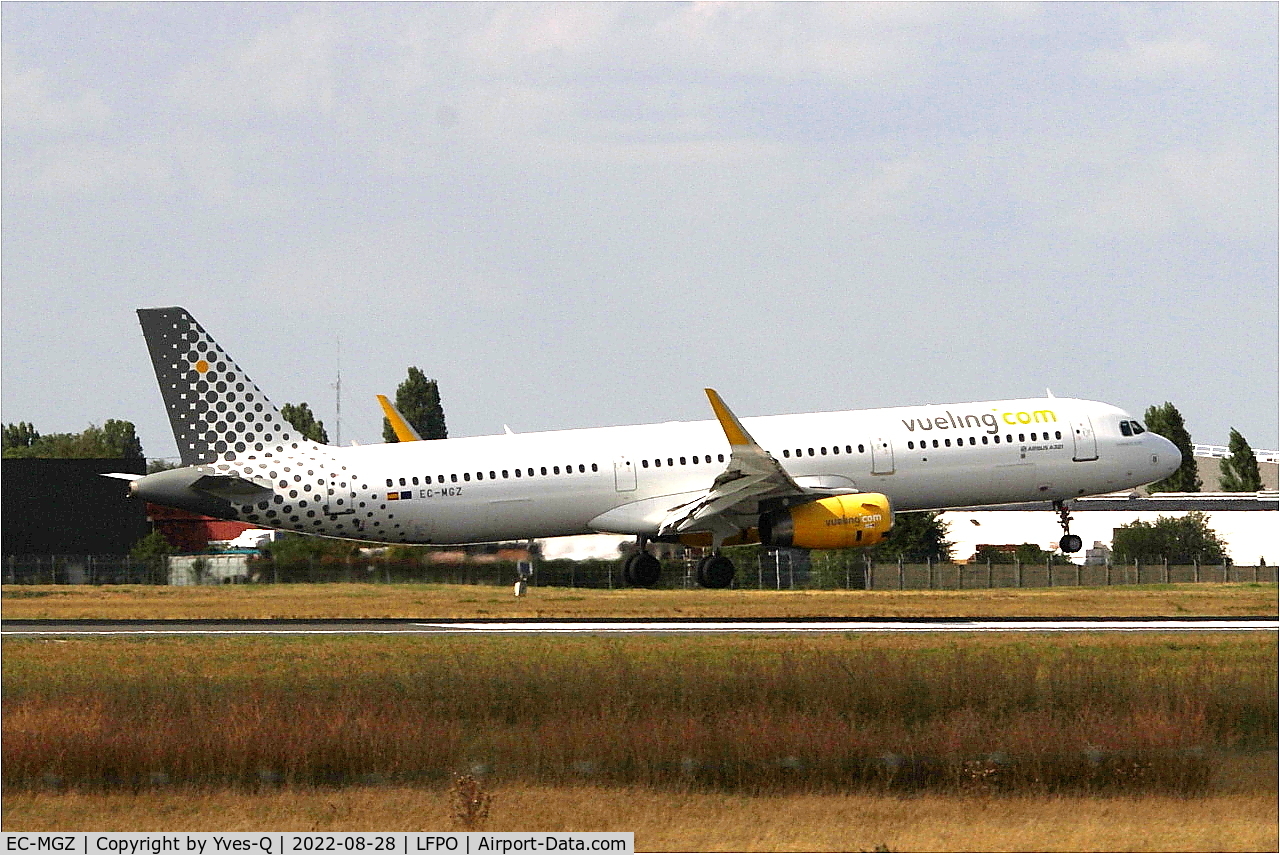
(838, 522)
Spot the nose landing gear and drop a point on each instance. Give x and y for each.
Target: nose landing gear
(1070, 542)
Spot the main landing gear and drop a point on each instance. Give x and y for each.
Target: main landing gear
(715, 571)
(1070, 542)
(641, 569)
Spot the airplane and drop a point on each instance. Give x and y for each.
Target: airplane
(811, 480)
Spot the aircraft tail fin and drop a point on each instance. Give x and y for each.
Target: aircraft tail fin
(215, 410)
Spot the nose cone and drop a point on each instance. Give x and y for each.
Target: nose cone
(1165, 456)
(172, 488)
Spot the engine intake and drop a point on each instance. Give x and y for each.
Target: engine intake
(838, 522)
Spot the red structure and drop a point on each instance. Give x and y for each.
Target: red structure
(190, 532)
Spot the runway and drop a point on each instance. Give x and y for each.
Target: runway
(96, 628)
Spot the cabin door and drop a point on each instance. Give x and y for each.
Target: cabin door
(624, 475)
(881, 456)
(1086, 441)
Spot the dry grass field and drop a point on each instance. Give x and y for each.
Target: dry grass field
(137, 602)
(667, 821)
(982, 742)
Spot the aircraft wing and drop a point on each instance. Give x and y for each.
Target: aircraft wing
(752, 480)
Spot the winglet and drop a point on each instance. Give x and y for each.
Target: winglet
(404, 431)
(733, 429)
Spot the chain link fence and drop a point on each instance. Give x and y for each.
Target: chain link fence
(765, 570)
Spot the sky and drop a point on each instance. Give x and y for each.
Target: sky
(576, 215)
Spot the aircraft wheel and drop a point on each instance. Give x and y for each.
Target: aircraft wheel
(629, 570)
(715, 571)
(646, 571)
(1070, 543)
(641, 570)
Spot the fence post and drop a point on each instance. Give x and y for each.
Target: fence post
(1196, 564)
(1048, 570)
(928, 559)
(989, 582)
(901, 573)
(1017, 567)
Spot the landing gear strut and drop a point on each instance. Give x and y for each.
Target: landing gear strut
(1070, 542)
(715, 571)
(641, 569)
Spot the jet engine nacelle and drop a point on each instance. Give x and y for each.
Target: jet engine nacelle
(838, 522)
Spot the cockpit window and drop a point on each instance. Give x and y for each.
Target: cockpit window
(1129, 428)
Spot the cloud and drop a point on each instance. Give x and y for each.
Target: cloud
(74, 169)
(31, 107)
(285, 70)
(1156, 60)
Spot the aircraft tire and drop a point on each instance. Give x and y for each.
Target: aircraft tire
(715, 571)
(641, 570)
(1070, 543)
(646, 571)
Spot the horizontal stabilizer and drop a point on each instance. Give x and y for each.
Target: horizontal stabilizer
(230, 487)
(123, 476)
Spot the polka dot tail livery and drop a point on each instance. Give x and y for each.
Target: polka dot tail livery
(217, 413)
(243, 460)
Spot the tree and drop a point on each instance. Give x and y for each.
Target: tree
(1166, 421)
(304, 421)
(116, 438)
(1024, 553)
(915, 536)
(418, 400)
(121, 437)
(155, 551)
(1179, 540)
(21, 435)
(1240, 471)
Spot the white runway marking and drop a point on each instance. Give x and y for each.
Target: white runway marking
(106, 628)
(873, 626)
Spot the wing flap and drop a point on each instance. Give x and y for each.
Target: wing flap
(751, 479)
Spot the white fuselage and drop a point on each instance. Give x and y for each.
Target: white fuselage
(627, 479)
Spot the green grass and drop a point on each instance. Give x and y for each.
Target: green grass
(1140, 713)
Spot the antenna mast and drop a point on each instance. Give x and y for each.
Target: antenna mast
(338, 391)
